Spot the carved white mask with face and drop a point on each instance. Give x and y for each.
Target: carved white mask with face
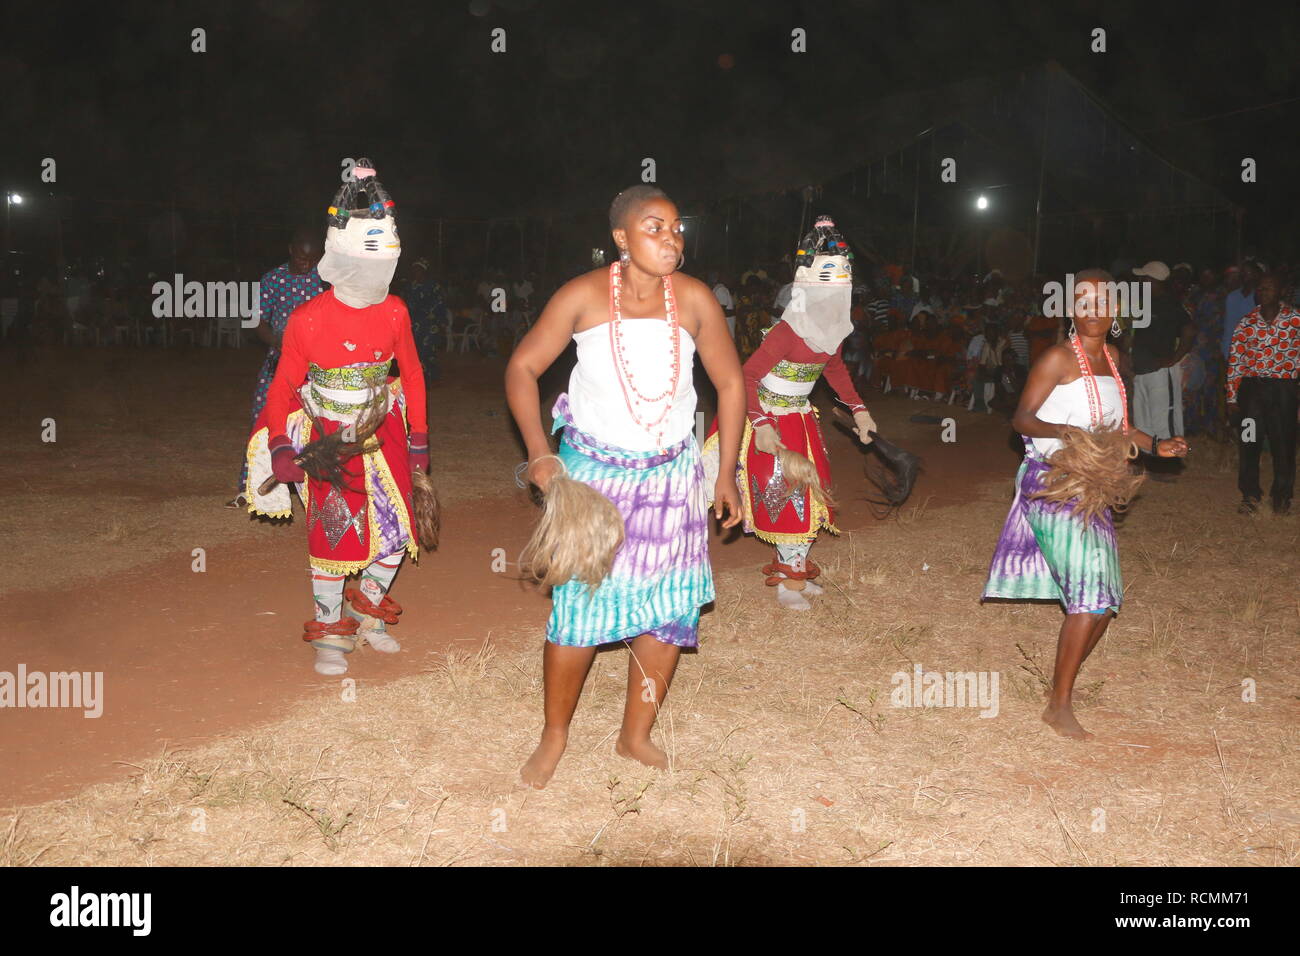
(828, 270)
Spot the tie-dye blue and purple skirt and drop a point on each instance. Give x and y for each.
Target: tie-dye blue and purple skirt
(1047, 552)
(661, 576)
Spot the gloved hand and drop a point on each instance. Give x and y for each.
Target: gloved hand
(285, 469)
(419, 451)
(862, 424)
(767, 439)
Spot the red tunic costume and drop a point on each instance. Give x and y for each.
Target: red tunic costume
(782, 367)
(334, 359)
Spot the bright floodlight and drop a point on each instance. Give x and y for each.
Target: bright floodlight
(982, 202)
(16, 199)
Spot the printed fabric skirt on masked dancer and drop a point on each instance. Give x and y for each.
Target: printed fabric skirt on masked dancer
(783, 472)
(349, 436)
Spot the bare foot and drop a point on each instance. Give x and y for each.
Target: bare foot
(1061, 719)
(642, 750)
(537, 772)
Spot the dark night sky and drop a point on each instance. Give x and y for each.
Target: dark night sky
(560, 122)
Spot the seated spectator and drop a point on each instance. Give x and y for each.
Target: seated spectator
(1008, 384)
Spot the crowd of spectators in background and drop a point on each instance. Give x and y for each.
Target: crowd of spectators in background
(973, 340)
(1217, 352)
(1204, 361)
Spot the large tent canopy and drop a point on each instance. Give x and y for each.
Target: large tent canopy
(1064, 180)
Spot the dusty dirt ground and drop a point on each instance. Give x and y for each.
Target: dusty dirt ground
(218, 743)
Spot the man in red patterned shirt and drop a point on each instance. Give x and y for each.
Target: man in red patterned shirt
(1263, 368)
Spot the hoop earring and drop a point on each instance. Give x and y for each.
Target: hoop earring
(1115, 328)
(681, 260)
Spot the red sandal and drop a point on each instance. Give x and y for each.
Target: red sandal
(343, 627)
(386, 610)
(777, 572)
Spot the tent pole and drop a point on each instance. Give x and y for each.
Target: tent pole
(726, 244)
(916, 199)
(1042, 162)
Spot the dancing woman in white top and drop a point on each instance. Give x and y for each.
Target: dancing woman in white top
(1047, 550)
(628, 423)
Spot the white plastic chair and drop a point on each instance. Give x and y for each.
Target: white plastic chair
(452, 335)
(76, 331)
(8, 313)
(172, 331)
(472, 331)
(127, 332)
(227, 329)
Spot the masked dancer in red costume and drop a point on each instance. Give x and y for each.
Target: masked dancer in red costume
(334, 374)
(803, 346)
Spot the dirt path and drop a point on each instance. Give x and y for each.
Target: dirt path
(188, 657)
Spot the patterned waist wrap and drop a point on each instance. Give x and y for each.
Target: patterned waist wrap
(786, 388)
(661, 575)
(1047, 552)
(369, 515)
(342, 394)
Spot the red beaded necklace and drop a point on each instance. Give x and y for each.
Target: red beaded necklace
(1090, 383)
(626, 379)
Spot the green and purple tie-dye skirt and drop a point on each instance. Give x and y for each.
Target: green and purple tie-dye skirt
(661, 576)
(1047, 552)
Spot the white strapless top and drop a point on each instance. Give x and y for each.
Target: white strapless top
(1068, 405)
(596, 398)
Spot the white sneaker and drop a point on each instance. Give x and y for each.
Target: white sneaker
(791, 600)
(331, 662)
(379, 638)
(373, 631)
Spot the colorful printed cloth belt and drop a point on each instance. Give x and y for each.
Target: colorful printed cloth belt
(604, 452)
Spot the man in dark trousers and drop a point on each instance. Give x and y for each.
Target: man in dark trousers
(1158, 348)
(1263, 368)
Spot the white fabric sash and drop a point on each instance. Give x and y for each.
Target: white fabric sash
(349, 396)
(782, 386)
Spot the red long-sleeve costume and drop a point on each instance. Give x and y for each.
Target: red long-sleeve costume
(770, 511)
(320, 333)
(348, 351)
(783, 343)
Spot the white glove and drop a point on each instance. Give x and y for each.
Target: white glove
(767, 439)
(862, 424)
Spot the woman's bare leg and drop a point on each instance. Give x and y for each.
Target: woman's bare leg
(650, 667)
(1080, 633)
(564, 671)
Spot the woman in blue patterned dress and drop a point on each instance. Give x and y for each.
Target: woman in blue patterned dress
(281, 291)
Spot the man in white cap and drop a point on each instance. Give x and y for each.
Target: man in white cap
(1158, 348)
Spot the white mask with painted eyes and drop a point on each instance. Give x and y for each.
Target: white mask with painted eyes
(831, 270)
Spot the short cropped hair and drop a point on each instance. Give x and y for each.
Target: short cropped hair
(628, 200)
